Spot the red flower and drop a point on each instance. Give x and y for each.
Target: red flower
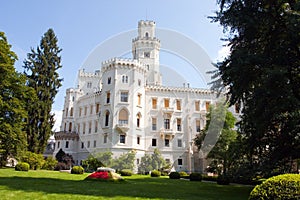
(100, 175)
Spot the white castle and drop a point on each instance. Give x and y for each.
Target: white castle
(124, 107)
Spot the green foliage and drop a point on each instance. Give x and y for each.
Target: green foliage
(195, 176)
(155, 173)
(124, 161)
(35, 161)
(209, 178)
(100, 159)
(22, 166)
(126, 172)
(183, 173)
(286, 186)
(13, 95)
(41, 70)
(49, 163)
(62, 157)
(77, 170)
(262, 74)
(174, 175)
(223, 180)
(150, 162)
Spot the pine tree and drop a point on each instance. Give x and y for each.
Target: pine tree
(12, 105)
(41, 70)
(262, 72)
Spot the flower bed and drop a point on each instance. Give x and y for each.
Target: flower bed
(104, 174)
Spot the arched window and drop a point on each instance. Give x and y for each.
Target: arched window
(70, 127)
(106, 118)
(123, 117)
(146, 34)
(138, 119)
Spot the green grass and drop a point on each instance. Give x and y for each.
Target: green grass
(56, 185)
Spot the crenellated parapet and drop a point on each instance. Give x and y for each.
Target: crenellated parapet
(83, 73)
(159, 88)
(122, 63)
(62, 135)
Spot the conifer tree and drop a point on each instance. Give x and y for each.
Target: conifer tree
(41, 69)
(12, 105)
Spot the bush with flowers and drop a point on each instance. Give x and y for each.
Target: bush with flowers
(104, 174)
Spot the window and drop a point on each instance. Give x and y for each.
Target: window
(109, 80)
(88, 144)
(154, 103)
(97, 108)
(73, 98)
(139, 99)
(147, 54)
(91, 109)
(197, 105)
(58, 144)
(78, 128)
(65, 126)
(137, 161)
(167, 103)
(122, 139)
(90, 127)
(70, 127)
(138, 140)
(178, 104)
(105, 138)
(168, 160)
(167, 124)
(124, 96)
(154, 127)
(85, 111)
(153, 142)
(198, 125)
(89, 85)
(82, 145)
(139, 82)
(95, 143)
(179, 161)
(123, 117)
(178, 124)
(167, 143)
(67, 144)
(96, 126)
(124, 79)
(138, 120)
(71, 112)
(146, 34)
(107, 97)
(207, 105)
(83, 128)
(106, 118)
(67, 109)
(179, 143)
(80, 110)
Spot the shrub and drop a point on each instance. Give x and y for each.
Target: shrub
(182, 174)
(209, 178)
(34, 160)
(195, 176)
(22, 166)
(155, 173)
(223, 180)
(61, 166)
(49, 163)
(126, 172)
(174, 175)
(77, 170)
(286, 186)
(164, 173)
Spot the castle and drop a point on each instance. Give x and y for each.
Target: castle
(123, 106)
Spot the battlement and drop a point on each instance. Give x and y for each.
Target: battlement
(122, 62)
(146, 23)
(83, 73)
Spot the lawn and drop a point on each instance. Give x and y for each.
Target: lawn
(56, 185)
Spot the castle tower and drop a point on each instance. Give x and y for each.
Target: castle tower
(145, 48)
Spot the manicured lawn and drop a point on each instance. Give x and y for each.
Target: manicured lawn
(56, 185)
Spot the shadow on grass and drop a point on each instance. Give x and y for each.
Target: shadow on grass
(144, 188)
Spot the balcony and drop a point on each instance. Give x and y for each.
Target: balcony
(167, 134)
(122, 126)
(167, 110)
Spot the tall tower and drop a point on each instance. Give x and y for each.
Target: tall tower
(145, 48)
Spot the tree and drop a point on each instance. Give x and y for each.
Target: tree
(124, 161)
(64, 158)
(100, 159)
(13, 94)
(151, 162)
(146, 164)
(221, 153)
(41, 70)
(262, 72)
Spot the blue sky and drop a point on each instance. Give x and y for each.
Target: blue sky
(82, 25)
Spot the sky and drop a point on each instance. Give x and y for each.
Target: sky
(81, 26)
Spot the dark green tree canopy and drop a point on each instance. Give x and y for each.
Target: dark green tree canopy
(41, 69)
(262, 72)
